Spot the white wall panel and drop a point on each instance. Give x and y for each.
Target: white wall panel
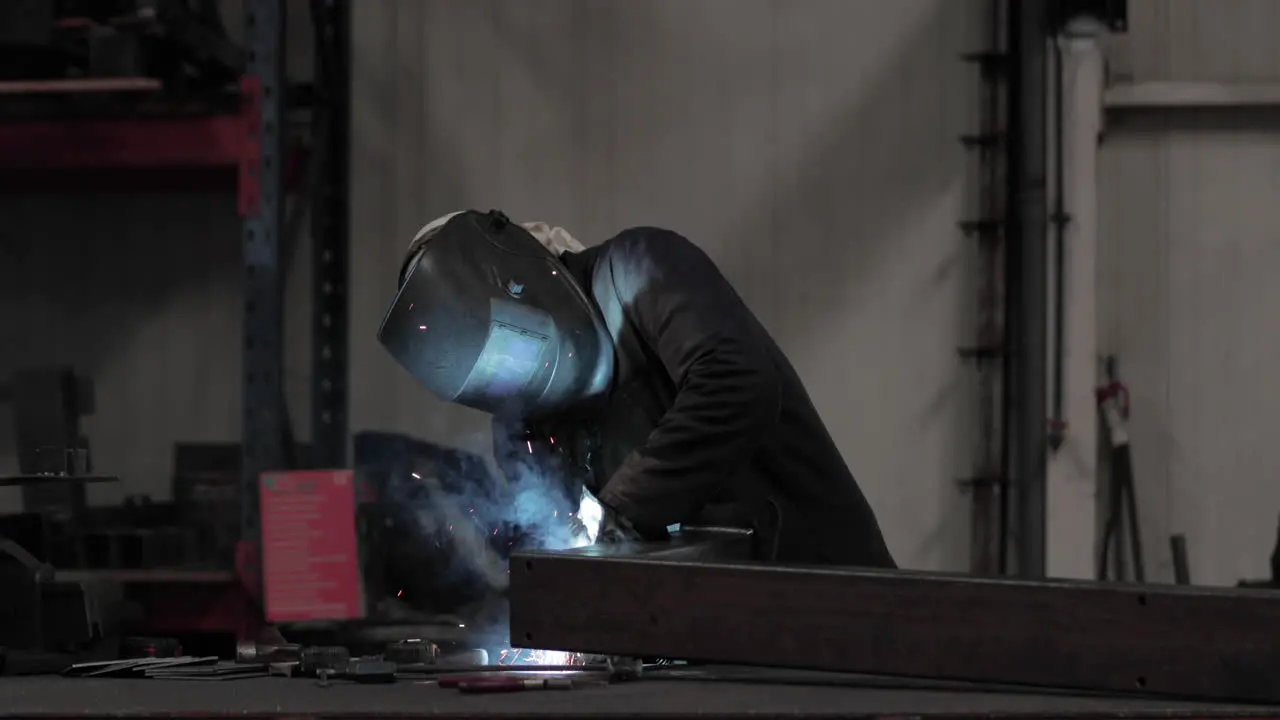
(809, 146)
(1189, 231)
(1200, 40)
(1187, 281)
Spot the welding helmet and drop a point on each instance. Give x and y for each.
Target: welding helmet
(489, 318)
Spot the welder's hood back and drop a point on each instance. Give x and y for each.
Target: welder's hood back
(489, 318)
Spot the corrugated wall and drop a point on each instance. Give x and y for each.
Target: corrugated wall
(809, 145)
(1188, 264)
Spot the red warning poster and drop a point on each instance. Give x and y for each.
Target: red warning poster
(310, 558)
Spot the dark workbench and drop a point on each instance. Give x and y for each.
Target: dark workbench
(266, 697)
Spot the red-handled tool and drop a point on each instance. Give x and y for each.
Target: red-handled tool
(477, 685)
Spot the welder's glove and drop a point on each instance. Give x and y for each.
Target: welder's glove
(614, 529)
(598, 524)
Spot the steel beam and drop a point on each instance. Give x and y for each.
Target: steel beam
(1169, 641)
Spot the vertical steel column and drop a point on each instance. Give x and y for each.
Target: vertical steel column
(1028, 278)
(989, 486)
(262, 200)
(330, 223)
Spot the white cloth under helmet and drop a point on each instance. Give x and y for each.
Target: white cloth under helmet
(555, 239)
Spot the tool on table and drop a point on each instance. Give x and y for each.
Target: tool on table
(513, 684)
(366, 671)
(251, 652)
(371, 671)
(464, 658)
(412, 652)
(219, 671)
(311, 660)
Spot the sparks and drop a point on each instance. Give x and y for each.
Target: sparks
(520, 656)
(529, 444)
(416, 475)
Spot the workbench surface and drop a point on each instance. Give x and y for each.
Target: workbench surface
(296, 698)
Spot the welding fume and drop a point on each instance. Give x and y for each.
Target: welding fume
(451, 527)
(631, 390)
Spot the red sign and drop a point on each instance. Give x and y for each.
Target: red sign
(310, 558)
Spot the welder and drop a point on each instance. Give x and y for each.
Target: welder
(632, 372)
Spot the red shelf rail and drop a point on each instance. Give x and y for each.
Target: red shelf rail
(216, 141)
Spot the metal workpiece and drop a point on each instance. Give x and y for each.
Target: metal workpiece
(1165, 641)
(703, 544)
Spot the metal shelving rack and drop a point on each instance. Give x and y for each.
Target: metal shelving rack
(236, 142)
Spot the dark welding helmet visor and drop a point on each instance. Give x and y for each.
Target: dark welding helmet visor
(489, 318)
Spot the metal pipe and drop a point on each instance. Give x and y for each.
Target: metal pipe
(1000, 16)
(1072, 477)
(1028, 278)
(1059, 221)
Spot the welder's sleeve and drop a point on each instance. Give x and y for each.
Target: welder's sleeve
(686, 313)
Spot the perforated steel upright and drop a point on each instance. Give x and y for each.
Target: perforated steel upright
(989, 483)
(330, 233)
(262, 206)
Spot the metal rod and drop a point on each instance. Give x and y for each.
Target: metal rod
(1169, 641)
(1000, 38)
(1058, 220)
(1028, 279)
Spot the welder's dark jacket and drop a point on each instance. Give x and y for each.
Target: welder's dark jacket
(707, 421)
